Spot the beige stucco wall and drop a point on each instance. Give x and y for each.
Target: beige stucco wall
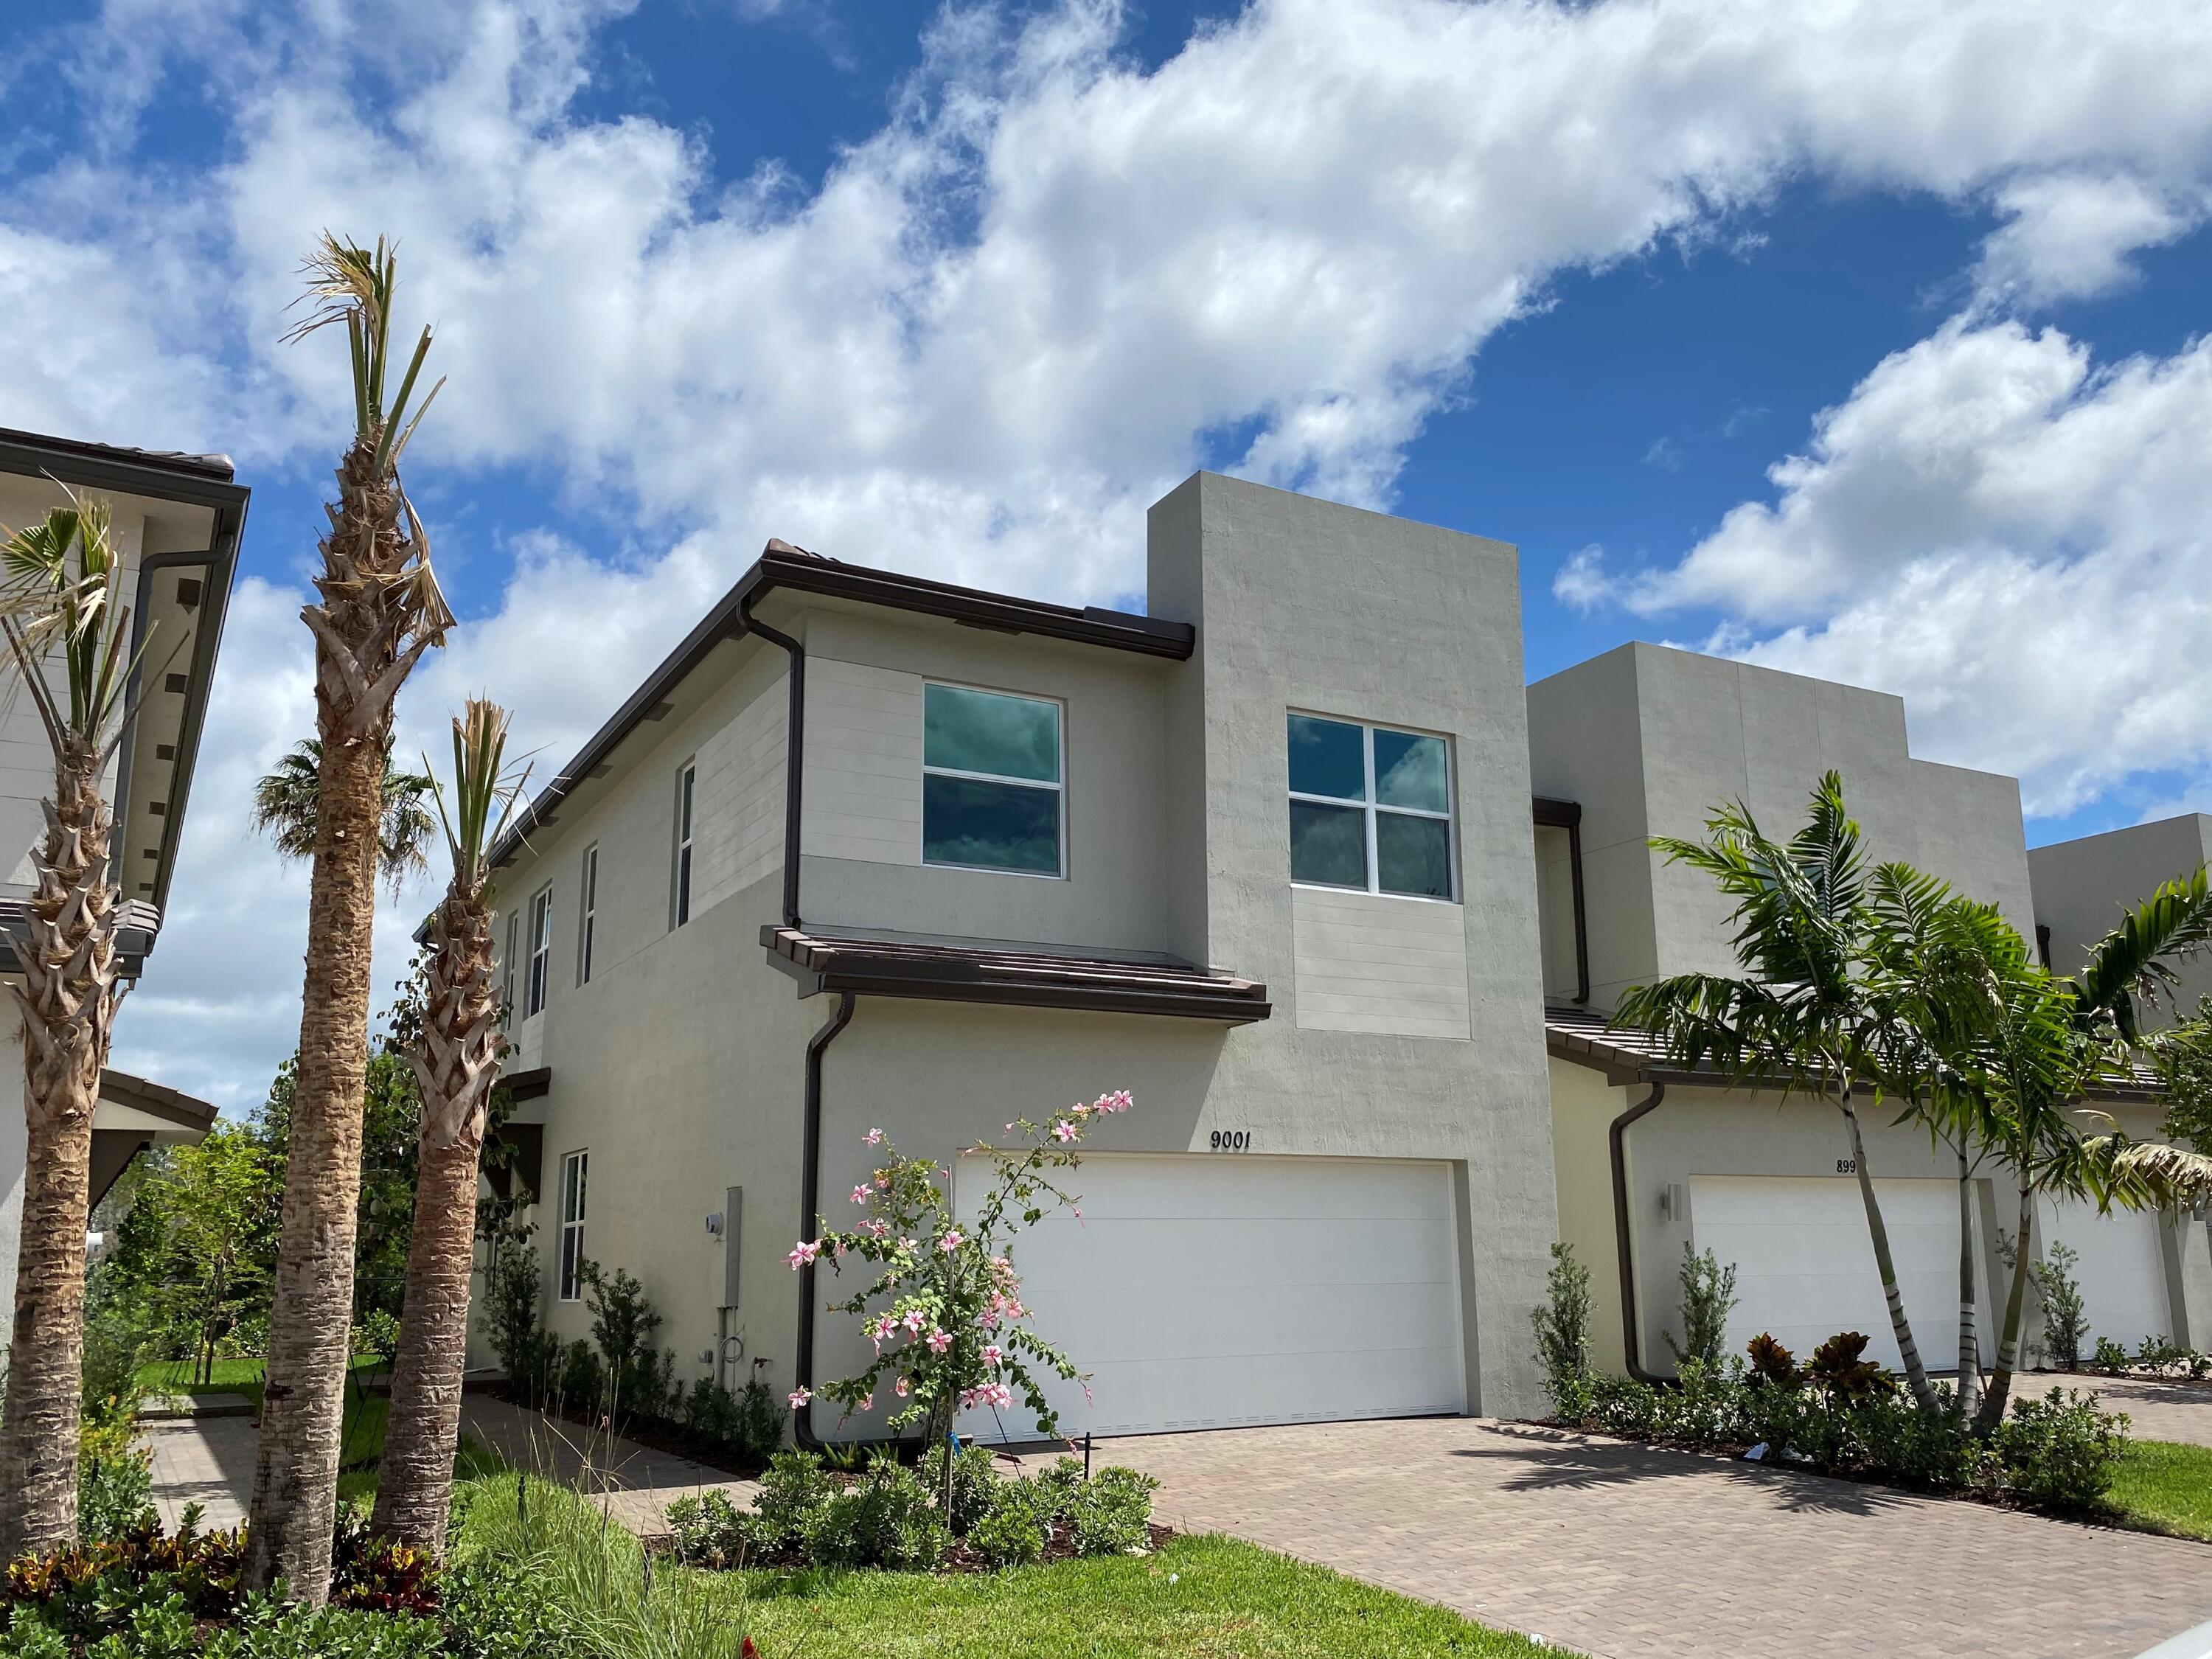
(1650, 739)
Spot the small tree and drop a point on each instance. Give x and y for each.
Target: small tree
(1708, 1293)
(215, 1201)
(1562, 1322)
(948, 1322)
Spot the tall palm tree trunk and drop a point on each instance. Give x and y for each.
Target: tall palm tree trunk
(1970, 1343)
(295, 1472)
(1916, 1370)
(456, 1071)
(2000, 1389)
(68, 997)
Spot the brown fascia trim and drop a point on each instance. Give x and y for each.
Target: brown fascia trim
(200, 480)
(532, 1085)
(782, 571)
(950, 973)
(156, 1100)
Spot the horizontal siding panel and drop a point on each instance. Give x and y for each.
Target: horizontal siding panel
(863, 797)
(1369, 964)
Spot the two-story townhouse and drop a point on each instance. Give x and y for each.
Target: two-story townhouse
(1645, 741)
(868, 851)
(177, 520)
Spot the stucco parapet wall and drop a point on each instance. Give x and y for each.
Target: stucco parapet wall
(983, 973)
(1627, 1057)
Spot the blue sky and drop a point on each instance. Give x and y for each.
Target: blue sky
(1796, 331)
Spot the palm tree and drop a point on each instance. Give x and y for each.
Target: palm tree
(456, 1064)
(1808, 1015)
(285, 810)
(378, 610)
(66, 628)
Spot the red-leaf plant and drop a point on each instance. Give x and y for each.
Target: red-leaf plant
(944, 1311)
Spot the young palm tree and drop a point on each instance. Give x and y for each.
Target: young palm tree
(66, 629)
(378, 610)
(1807, 1015)
(456, 1065)
(285, 810)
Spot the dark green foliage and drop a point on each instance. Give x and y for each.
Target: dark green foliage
(1562, 1324)
(2110, 1359)
(114, 1496)
(581, 1383)
(1773, 1365)
(711, 1531)
(2060, 1452)
(1109, 1514)
(1840, 1368)
(887, 1518)
(793, 1488)
(2065, 1314)
(1015, 1525)
(974, 1480)
(1708, 1293)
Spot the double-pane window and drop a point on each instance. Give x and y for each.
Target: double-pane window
(541, 949)
(991, 781)
(572, 1169)
(1370, 808)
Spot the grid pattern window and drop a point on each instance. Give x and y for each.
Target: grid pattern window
(1370, 808)
(687, 785)
(992, 794)
(541, 950)
(574, 1169)
(588, 926)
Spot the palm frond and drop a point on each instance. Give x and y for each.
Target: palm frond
(2133, 962)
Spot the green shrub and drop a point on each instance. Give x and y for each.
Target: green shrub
(1563, 1335)
(973, 1482)
(711, 1531)
(2110, 1358)
(623, 1320)
(582, 1381)
(114, 1495)
(1011, 1531)
(793, 1488)
(1107, 1513)
(2065, 1314)
(1708, 1293)
(887, 1518)
(2059, 1452)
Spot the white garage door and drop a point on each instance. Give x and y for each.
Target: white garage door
(2121, 1270)
(1202, 1291)
(1804, 1264)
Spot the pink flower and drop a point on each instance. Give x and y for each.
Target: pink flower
(861, 1193)
(874, 1137)
(1064, 1131)
(912, 1321)
(910, 1244)
(952, 1242)
(883, 1183)
(939, 1340)
(799, 1397)
(1010, 1129)
(804, 1253)
(1119, 1100)
(993, 1354)
(902, 1388)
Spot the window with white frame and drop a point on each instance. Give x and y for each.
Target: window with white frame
(1370, 808)
(541, 950)
(687, 783)
(587, 924)
(507, 960)
(992, 784)
(572, 1169)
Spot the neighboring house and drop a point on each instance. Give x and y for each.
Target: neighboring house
(1645, 741)
(1261, 857)
(2083, 886)
(177, 520)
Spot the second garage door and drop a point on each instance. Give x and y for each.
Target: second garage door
(1805, 1265)
(1208, 1291)
(2120, 1265)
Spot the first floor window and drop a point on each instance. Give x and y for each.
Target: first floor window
(572, 1225)
(1370, 808)
(991, 781)
(541, 948)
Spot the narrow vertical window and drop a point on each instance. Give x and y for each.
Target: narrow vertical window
(686, 783)
(506, 967)
(541, 950)
(573, 1171)
(589, 925)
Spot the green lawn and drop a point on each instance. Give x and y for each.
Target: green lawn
(2165, 1487)
(1213, 1597)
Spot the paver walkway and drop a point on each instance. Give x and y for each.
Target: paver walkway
(1623, 1550)
(208, 1461)
(2160, 1410)
(637, 1482)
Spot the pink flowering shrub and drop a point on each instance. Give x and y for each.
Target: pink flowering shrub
(944, 1309)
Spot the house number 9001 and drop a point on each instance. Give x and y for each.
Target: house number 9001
(1231, 1140)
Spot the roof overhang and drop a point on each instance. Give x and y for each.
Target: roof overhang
(978, 972)
(788, 570)
(138, 1105)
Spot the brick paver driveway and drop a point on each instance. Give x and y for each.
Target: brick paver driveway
(2160, 1410)
(1620, 1549)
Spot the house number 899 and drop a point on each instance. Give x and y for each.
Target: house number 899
(1231, 1140)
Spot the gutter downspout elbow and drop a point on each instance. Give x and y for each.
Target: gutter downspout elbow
(794, 749)
(802, 1425)
(1617, 1138)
